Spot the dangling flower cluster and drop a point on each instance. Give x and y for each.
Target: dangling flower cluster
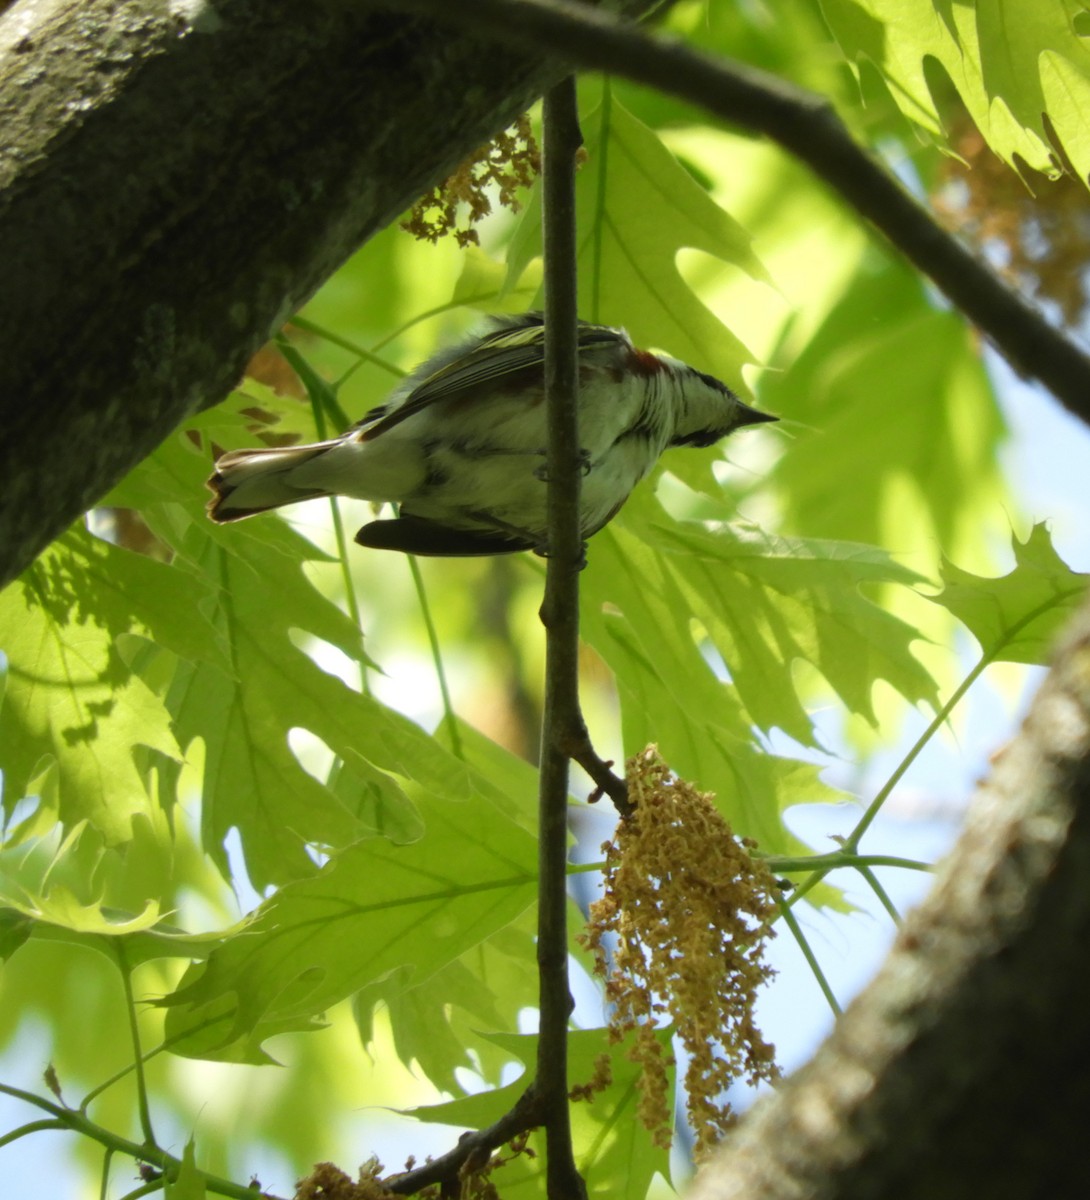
(329, 1182)
(510, 161)
(476, 1179)
(690, 908)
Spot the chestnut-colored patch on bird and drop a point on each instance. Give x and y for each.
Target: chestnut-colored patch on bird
(643, 362)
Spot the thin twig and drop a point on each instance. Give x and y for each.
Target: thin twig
(560, 616)
(78, 1122)
(475, 1147)
(545, 1102)
(804, 124)
(579, 748)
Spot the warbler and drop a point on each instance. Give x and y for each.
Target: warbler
(459, 445)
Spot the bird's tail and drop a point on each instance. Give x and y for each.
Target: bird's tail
(247, 482)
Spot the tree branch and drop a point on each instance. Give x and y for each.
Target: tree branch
(78, 1122)
(546, 1100)
(474, 1147)
(806, 125)
(560, 616)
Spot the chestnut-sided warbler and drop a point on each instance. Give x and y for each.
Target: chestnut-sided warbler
(459, 444)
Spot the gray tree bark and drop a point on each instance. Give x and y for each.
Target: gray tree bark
(176, 178)
(963, 1069)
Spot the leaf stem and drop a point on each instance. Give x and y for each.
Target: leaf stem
(792, 923)
(107, 1162)
(881, 893)
(31, 1127)
(134, 1032)
(436, 656)
(851, 842)
(322, 396)
(837, 859)
(353, 347)
(77, 1122)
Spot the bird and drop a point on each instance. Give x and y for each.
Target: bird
(459, 445)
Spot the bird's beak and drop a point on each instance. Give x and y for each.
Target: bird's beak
(750, 416)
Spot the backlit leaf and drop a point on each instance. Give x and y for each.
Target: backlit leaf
(637, 208)
(1016, 617)
(375, 908)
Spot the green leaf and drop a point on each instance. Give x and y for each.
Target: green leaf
(637, 618)
(73, 709)
(900, 424)
(371, 910)
(481, 993)
(485, 284)
(768, 601)
(60, 916)
(253, 782)
(637, 208)
(764, 602)
(1016, 617)
(188, 1184)
(485, 989)
(1010, 63)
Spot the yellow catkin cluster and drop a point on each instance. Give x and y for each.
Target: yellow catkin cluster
(329, 1182)
(598, 1082)
(510, 161)
(690, 909)
(476, 1179)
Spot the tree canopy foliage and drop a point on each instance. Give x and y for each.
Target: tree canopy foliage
(270, 799)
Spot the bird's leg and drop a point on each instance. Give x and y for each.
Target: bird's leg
(585, 465)
(542, 551)
(537, 542)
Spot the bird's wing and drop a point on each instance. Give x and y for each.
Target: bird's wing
(499, 355)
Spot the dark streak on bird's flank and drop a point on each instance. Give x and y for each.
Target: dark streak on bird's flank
(642, 429)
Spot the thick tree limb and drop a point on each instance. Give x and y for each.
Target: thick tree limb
(964, 1067)
(175, 180)
(805, 124)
